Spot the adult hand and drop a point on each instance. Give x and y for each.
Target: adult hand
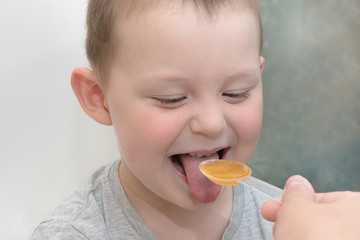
(306, 215)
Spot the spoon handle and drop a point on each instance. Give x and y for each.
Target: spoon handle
(264, 187)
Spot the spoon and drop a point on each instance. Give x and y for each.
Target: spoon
(230, 172)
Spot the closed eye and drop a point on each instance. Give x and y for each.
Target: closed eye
(236, 97)
(170, 102)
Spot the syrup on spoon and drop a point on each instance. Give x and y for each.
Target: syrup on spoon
(230, 172)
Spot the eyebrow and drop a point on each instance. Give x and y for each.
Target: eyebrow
(245, 73)
(166, 77)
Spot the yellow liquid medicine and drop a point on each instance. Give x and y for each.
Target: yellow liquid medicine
(225, 172)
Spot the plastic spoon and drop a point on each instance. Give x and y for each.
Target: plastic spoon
(229, 172)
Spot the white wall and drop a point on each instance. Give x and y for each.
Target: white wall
(48, 146)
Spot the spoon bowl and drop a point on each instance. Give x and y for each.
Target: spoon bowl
(230, 172)
(224, 172)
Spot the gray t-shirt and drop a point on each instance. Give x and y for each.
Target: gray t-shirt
(100, 210)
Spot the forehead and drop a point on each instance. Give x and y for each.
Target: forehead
(130, 11)
(181, 42)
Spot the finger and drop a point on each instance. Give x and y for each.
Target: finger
(270, 209)
(274, 230)
(335, 196)
(298, 187)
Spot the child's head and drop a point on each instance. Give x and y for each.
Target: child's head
(183, 84)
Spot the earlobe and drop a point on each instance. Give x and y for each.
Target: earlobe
(90, 95)
(262, 63)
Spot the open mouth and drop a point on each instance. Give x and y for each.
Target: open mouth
(178, 158)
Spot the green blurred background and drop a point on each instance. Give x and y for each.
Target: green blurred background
(311, 93)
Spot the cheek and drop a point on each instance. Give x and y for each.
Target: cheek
(249, 128)
(144, 132)
(249, 118)
(248, 122)
(255, 118)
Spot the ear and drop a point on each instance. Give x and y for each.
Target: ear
(262, 62)
(90, 95)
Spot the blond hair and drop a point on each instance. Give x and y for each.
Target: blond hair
(102, 15)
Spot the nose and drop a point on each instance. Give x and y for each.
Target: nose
(208, 120)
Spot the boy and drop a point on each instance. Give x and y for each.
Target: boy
(181, 83)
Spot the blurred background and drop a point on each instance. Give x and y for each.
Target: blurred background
(49, 147)
(311, 93)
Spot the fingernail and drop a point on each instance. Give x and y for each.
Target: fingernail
(295, 180)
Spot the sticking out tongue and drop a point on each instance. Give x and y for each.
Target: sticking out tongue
(202, 188)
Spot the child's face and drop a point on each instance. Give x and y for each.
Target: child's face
(182, 87)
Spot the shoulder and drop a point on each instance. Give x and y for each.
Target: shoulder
(76, 217)
(56, 230)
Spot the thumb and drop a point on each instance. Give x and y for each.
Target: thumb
(298, 187)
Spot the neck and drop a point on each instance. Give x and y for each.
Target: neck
(169, 221)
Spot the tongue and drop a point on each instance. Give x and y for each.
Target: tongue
(202, 188)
